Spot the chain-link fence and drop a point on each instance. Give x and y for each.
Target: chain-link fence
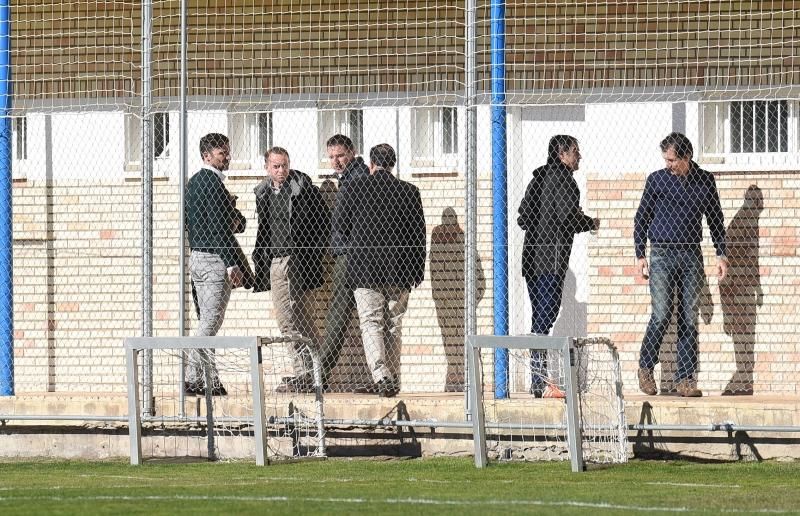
(299, 223)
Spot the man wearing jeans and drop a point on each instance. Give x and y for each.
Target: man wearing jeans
(670, 214)
(216, 264)
(385, 222)
(552, 216)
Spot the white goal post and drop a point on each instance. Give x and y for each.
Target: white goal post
(586, 370)
(239, 359)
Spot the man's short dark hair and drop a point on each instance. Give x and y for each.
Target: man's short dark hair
(212, 141)
(383, 156)
(679, 143)
(558, 144)
(276, 150)
(340, 139)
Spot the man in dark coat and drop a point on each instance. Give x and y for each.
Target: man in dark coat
(560, 218)
(386, 258)
(293, 229)
(347, 166)
(217, 263)
(528, 216)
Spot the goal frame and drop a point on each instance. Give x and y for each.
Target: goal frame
(563, 345)
(134, 345)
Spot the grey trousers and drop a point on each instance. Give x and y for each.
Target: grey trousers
(380, 312)
(337, 321)
(213, 287)
(295, 311)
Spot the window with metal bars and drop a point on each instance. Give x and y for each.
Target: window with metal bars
(751, 134)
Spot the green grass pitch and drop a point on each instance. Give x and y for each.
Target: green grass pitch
(426, 486)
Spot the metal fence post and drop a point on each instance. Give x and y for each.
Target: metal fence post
(147, 207)
(471, 203)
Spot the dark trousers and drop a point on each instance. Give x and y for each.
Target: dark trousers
(337, 322)
(545, 291)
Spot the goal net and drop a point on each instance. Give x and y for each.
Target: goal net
(566, 404)
(234, 408)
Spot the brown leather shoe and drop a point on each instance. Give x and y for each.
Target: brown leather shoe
(647, 382)
(688, 389)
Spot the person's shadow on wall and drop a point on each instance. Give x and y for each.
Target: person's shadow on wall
(740, 291)
(573, 318)
(448, 268)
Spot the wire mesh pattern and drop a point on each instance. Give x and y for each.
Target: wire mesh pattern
(275, 244)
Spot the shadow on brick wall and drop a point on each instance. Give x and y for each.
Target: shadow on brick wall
(740, 292)
(448, 269)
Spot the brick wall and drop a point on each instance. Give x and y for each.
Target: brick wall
(77, 293)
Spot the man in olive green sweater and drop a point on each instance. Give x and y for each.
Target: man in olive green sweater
(216, 264)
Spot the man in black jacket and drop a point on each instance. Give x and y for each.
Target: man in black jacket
(293, 228)
(216, 264)
(386, 258)
(348, 166)
(551, 235)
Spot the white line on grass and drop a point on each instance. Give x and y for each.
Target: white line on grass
(389, 501)
(679, 484)
(126, 477)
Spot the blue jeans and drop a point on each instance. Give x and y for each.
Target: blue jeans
(545, 292)
(674, 273)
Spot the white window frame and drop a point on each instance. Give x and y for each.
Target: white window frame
(161, 135)
(251, 136)
(20, 140)
(435, 138)
(162, 129)
(716, 140)
(133, 143)
(349, 122)
(19, 130)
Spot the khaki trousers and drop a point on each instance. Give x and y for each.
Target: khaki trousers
(294, 311)
(380, 312)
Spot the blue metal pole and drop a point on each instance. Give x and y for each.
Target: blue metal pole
(499, 192)
(6, 249)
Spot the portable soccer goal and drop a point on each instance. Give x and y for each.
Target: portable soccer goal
(580, 417)
(239, 399)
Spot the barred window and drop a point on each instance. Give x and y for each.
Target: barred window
(759, 126)
(748, 127)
